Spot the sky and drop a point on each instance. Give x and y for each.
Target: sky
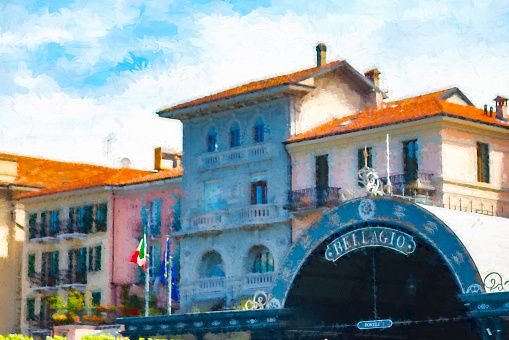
(81, 80)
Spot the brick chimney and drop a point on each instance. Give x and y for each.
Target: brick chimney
(501, 108)
(321, 51)
(374, 76)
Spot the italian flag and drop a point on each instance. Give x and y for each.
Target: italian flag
(140, 255)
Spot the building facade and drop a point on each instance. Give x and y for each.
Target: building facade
(80, 237)
(336, 209)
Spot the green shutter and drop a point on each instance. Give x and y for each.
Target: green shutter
(32, 225)
(43, 224)
(97, 262)
(96, 298)
(100, 216)
(90, 259)
(31, 265)
(88, 219)
(30, 309)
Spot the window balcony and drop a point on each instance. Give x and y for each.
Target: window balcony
(236, 156)
(44, 233)
(44, 283)
(40, 324)
(257, 214)
(71, 231)
(72, 280)
(312, 198)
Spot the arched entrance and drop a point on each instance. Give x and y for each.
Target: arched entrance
(355, 264)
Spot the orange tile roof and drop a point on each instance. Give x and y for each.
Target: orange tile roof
(122, 177)
(256, 86)
(401, 111)
(40, 172)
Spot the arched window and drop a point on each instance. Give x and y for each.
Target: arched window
(211, 265)
(234, 136)
(258, 131)
(212, 141)
(260, 260)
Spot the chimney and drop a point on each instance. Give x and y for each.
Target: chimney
(374, 76)
(501, 108)
(158, 157)
(321, 51)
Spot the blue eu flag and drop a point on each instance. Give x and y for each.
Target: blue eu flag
(165, 272)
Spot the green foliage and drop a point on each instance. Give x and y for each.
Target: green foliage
(15, 337)
(75, 304)
(100, 337)
(56, 337)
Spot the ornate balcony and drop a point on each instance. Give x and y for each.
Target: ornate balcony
(249, 215)
(72, 280)
(40, 324)
(410, 184)
(210, 286)
(236, 156)
(312, 198)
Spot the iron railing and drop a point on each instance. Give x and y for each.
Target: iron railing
(68, 277)
(44, 279)
(313, 198)
(410, 183)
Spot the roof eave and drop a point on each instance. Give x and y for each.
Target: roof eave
(236, 101)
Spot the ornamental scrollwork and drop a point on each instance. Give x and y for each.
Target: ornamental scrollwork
(494, 282)
(369, 179)
(260, 300)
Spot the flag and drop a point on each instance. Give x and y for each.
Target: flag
(165, 272)
(140, 255)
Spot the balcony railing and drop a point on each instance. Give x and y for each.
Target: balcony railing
(44, 282)
(410, 184)
(69, 231)
(43, 232)
(250, 215)
(255, 281)
(40, 324)
(210, 285)
(312, 198)
(71, 278)
(236, 156)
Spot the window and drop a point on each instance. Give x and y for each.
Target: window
(81, 219)
(49, 268)
(411, 166)
(94, 258)
(101, 212)
(155, 211)
(259, 192)
(31, 265)
(211, 265)
(364, 159)
(78, 265)
(483, 162)
(53, 221)
(258, 131)
(154, 260)
(212, 141)
(322, 171)
(176, 224)
(30, 309)
(264, 262)
(234, 136)
(96, 298)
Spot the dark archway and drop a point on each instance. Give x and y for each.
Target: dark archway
(416, 291)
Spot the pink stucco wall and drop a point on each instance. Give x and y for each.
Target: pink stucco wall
(127, 217)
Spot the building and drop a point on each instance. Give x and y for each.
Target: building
(80, 237)
(293, 209)
(21, 174)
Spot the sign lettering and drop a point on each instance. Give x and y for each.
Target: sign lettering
(374, 324)
(370, 237)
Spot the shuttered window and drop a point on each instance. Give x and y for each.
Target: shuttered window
(259, 192)
(31, 265)
(483, 163)
(30, 309)
(410, 163)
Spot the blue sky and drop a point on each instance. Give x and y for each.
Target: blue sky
(73, 73)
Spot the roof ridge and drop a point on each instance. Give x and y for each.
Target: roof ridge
(14, 156)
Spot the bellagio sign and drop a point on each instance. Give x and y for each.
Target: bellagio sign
(370, 237)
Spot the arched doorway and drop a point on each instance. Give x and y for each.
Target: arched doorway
(417, 288)
(416, 292)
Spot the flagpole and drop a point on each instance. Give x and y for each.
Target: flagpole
(389, 189)
(169, 274)
(147, 275)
